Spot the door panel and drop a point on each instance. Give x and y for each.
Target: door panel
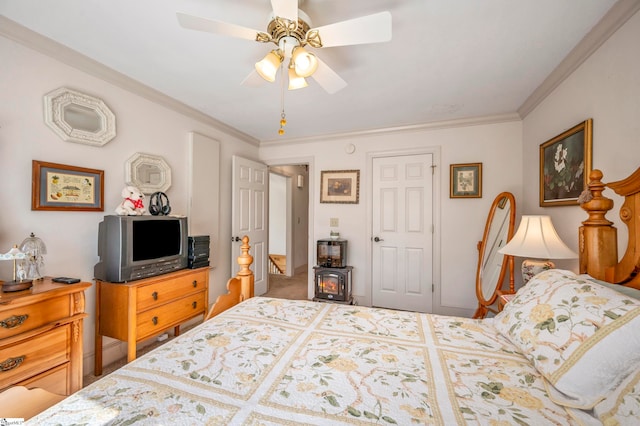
(402, 221)
(249, 216)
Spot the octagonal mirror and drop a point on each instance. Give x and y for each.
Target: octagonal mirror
(78, 117)
(149, 173)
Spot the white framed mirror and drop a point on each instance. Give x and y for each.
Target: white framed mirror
(149, 173)
(78, 117)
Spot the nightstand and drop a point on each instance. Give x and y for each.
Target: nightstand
(504, 297)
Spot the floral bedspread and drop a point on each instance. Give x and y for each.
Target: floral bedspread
(272, 362)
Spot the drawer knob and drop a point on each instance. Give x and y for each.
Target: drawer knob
(13, 321)
(194, 304)
(154, 295)
(195, 283)
(154, 320)
(11, 363)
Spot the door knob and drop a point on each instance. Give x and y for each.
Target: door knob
(235, 239)
(377, 240)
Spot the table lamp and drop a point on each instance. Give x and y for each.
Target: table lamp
(537, 238)
(18, 283)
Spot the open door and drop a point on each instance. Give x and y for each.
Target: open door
(249, 216)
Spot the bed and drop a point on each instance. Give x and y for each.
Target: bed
(565, 350)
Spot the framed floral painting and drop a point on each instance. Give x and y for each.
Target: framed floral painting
(565, 164)
(465, 180)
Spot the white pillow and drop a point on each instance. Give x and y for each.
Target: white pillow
(582, 337)
(620, 408)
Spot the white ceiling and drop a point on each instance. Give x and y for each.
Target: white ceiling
(448, 59)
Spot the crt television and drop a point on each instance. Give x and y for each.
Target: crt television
(136, 247)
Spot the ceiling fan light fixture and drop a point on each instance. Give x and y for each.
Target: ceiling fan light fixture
(295, 81)
(305, 63)
(268, 66)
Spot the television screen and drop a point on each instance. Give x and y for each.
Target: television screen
(154, 239)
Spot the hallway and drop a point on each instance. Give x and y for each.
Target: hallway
(294, 287)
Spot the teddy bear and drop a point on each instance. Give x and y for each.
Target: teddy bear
(133, 203)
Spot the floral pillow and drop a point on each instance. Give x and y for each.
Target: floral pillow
(582, 337)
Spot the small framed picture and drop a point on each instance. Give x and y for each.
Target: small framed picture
(465, 180)
(340, 186)
(62, 187)
(565, 164)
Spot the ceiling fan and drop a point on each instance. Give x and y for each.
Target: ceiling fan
(290, 30)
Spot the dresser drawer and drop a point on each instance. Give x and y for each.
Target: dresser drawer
(18, 320)
(155, 294)
(54, 380)
(34, 356)
(157, 320)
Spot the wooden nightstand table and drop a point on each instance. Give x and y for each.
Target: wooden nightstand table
(504, 297)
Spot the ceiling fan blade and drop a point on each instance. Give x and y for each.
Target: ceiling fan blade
(328, 79)
(216, 27)
(287, 9)
(374, 28)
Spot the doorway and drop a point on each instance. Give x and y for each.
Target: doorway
(288, 231)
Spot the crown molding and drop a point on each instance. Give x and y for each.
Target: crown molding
(28, 38)
(608, 25)
(446, 124)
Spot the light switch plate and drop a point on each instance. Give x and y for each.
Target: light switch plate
(333, 221)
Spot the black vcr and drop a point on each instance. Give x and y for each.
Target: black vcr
(198, 256)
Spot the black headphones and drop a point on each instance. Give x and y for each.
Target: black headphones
(159, 204)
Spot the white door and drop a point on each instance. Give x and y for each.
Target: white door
(402, 235)
(249, 216)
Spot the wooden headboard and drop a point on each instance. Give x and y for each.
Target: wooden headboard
(598, 246)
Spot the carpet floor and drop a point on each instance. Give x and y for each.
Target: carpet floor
(294, 287)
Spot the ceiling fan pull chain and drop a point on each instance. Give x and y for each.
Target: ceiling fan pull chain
(283, 119)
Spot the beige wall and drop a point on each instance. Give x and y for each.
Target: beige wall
(142, 126)
(606, 88)
(460, 222)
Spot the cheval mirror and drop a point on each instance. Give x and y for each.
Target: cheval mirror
(492, 266)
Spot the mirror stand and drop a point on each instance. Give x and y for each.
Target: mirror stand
(493, 266)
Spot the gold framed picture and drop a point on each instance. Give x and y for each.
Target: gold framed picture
(340, 186)
(565, 164)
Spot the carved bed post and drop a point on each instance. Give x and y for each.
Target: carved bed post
(626, 271)
(597, 232)
(239, 287)
(245, 275)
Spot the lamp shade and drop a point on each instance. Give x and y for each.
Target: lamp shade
(536, 237)
(268, 66)
(295, 81)
(305, 63)
(13, 254)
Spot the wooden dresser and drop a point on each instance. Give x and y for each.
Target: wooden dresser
(41, 336)
(137, 310)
